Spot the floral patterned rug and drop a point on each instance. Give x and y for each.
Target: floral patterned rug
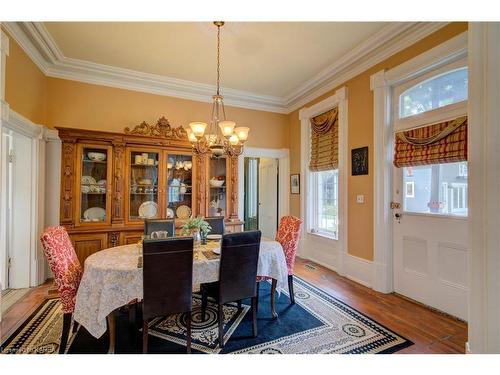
(316, 323)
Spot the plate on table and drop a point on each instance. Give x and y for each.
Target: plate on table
(88, 180)
(148, 210)
(214, 236)
(95, 214)
(183, 212)
(170, 213)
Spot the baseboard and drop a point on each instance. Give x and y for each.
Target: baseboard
(358, 269)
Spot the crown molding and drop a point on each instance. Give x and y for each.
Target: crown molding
(39, 45)
(379, 47)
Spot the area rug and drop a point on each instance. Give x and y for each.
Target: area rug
(10, 297)
(316, 323)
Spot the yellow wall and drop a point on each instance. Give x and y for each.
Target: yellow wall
(360, 133)
(86, 106)
(57, 102)
(25, 84)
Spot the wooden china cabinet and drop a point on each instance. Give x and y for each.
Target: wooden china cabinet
(111, 182)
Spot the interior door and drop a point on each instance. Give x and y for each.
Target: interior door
(430, 233)
(268, 196)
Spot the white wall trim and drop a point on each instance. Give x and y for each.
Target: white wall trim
(39, 135)
(359, 270)
(330, 252)
(282, 154)
(37, 42)
(484, 187)
(382, 83)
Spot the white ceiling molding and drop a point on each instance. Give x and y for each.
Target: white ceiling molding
(379, 47)
(36, 41)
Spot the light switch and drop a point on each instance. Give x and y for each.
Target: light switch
(360, 198)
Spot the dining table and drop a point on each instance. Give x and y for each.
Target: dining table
(113, 278)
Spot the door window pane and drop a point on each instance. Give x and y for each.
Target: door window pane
(436, 92)
(436, 189)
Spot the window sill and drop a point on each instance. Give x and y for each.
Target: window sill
(322, 235)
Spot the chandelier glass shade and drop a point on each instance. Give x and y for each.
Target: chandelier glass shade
(221, 136)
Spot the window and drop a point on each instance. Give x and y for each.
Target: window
(437, 189)
(325, 192)
(436, 92)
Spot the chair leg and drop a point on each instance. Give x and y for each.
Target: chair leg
(257, 303)
(204, 302)
(65, 332)
(273, 298)
(188, 332)
(145, 329)
(239, 304)
(290, 289)
(254, 316)
(220, 320)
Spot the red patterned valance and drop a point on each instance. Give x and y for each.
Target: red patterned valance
(445, 142)
(324, 141)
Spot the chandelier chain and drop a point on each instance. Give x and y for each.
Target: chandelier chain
(218, 59)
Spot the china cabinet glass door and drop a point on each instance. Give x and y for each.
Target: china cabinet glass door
(94, 171)
(217, 186)
(179, 190)
(143, 185)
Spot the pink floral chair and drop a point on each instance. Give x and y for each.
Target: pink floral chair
(67, 272)
(288, 236)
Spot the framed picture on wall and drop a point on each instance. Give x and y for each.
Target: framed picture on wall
(295, 183)
(359, 161)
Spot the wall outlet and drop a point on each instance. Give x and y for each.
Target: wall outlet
(360, 199)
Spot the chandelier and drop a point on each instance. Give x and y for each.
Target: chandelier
(222, 137)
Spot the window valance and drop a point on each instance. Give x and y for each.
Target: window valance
(324, 141)
(445, 142)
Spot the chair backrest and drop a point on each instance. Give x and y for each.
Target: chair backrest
(288, 236)
(155, 225)
(238, 265)
(64, 264)
(217, 224)
(167, 276)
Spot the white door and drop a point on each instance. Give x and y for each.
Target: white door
(268, 196)
(431, 236)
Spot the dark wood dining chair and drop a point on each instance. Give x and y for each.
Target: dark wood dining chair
(167, 282)
(237, 273)
(217, 224)
(155, 225)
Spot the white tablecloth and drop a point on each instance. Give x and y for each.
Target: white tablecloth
(112, 279)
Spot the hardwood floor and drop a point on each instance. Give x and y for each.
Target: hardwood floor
(431, 331)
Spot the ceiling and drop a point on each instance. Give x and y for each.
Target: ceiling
(266, 58)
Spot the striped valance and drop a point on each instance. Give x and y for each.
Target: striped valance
(324, 141)
(445, 142)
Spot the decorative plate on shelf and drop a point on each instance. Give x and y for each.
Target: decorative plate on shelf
(102, 182)
(216, 251)
(95, 214)
(88, 180)
(170, 213)
(148, 210)
(96, 156)
(183, 212)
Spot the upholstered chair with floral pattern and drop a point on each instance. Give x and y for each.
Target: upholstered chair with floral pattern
(67, 272)
(288, 235)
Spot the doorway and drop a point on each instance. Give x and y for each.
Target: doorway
(16, 210)
(261, 194)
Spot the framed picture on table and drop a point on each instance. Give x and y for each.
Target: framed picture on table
(295, 184)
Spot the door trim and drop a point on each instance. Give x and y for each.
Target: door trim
(382, 83)
(282, 154)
